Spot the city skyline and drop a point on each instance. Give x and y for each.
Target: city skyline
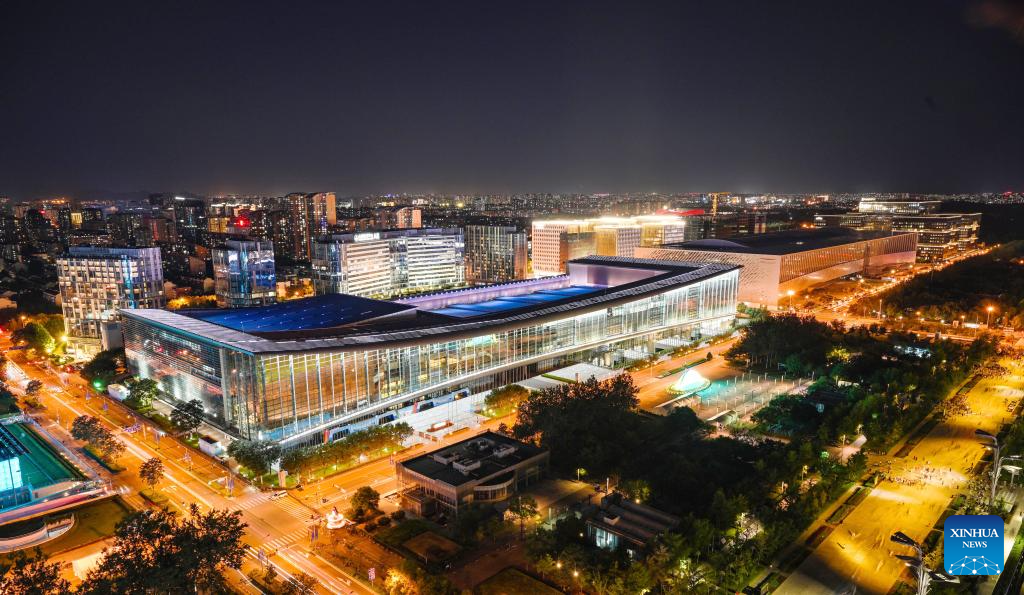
(917, 97)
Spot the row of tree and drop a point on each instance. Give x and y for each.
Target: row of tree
(153, 552)
(964, 291)
(345, 450)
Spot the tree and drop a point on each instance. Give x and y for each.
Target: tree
(522, 508)
(33, 575)
(151, 471)
(104, 367)
(366, 498)
(156, 551)
(37, 337)
(635, 489)
(33, 387)
(255, 455)
(188, 416)
(90, 430)
(87, 429)
(110, 448)
(142, 392)
(590, 425)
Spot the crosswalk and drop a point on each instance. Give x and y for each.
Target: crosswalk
(250, 501)
(287, 539)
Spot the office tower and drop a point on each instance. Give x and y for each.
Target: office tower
(64, 225)
(495, 254)
(400, 218)
(311, 216)
(243, 273)
(190, 220)
(389, 263)
(97, 282)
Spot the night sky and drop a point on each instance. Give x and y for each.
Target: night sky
(419, 96)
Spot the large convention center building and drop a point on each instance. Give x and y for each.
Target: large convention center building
(775, 264)
(306, 371)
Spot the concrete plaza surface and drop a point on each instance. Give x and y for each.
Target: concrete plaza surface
(920, 486)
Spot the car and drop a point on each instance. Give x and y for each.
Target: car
(278, 495)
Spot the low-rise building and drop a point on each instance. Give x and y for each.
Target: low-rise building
(485, 469)
(621, 523)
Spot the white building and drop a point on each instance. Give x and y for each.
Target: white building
(243, 273)
(384, 264)
(776, 263)
(96, 282)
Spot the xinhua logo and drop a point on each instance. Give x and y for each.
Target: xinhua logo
(973, 544)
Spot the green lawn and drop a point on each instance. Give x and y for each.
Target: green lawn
(92, 522)
(513, 582)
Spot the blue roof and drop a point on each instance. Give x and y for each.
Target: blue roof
(506, 304)
(322, 311)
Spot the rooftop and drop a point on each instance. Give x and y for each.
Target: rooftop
(337, 321)
(319, 312)
(473, 459)
(784, 242)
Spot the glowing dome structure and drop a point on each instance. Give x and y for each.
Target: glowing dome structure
(335, 520)
(689, 383)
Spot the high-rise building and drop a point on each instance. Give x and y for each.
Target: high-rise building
(95, 283)
(389, 263)
(311, 216)
(190, 220)
(495, 254)
(400, 218)
(243, 273)
(279, 231)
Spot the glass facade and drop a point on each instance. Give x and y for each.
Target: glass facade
(294, 395)
(390, 263)
(243, 272)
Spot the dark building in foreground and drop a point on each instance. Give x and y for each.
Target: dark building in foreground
(485, 469)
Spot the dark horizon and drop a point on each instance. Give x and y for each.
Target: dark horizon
(462, 98)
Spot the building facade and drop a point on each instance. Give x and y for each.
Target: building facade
(495, 254)
(243, 274)
(385, 264)
(940, 236)
(96, 283)
(306, 370)
(556, 242)
(776, 263)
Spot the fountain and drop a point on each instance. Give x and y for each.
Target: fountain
(689, 383)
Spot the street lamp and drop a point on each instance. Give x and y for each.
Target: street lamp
(925, 576)
(997, 461)
(988, 317)
(790, 293)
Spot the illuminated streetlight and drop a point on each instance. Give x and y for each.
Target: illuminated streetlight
(988, 318)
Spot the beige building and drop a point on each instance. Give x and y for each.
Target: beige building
(555, 242)
(776, 263)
